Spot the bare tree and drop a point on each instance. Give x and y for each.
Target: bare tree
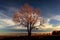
(28, 16)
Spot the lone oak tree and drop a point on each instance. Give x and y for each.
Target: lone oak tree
(28, 16)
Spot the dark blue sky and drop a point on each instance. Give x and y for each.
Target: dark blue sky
(48, 8)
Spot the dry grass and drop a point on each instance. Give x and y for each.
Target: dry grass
(24, 35)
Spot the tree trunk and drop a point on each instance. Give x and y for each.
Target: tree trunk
(29, 29)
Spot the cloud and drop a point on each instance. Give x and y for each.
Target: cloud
(12, 9)
(8, 11)
(9, 24)
(9, 21)
(6, 22)
(1, 26)
(19, 27)
(56, 17)
(57, 27)
(2, 15)
(48, 20)
(48, 25)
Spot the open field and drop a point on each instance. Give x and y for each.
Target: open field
(23, 36)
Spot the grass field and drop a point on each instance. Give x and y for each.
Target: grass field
(34, 36)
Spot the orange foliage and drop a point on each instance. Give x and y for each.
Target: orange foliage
(28, 14)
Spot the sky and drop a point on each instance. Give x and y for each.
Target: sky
(50, 10)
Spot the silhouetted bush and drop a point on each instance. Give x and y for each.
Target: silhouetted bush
(56, 33)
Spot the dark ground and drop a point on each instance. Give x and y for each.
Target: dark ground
(32, 38)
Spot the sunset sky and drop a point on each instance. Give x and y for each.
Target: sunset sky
(50, 10)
